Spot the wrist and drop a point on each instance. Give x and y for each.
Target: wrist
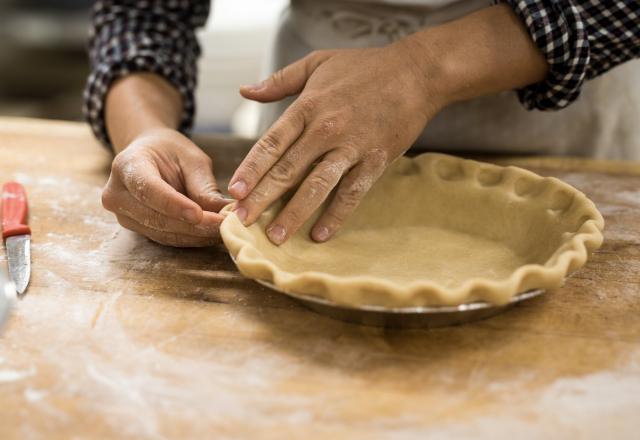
(482, 53)
(139, 104)
(163, 138)
(433, 77)
(148, 130)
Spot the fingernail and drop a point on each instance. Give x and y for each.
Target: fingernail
(321, 233)
(277, 234)
(254, 87)
(241, 213)
(223, 198)
(239, 188)
(190, 215)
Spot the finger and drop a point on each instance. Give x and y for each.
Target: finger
(348, 196)
(266, 152)
(200, 185)
(286, 173)
(287, 81)
(142, 179)
(309, 196)
(166, 238)
(125, 204)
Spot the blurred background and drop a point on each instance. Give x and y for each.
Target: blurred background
(43, 61)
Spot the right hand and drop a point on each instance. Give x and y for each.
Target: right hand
(162, 186)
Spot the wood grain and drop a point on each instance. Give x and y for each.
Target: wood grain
(122, 338)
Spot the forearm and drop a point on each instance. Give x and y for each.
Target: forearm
(129, 37)
(482, 53)
(140, 102)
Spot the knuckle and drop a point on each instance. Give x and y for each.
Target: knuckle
(328, 127)
(351, 194)
(139, 189)
(205, 160)
(198, 157)
(107, 199)
(278, 78)
(123, 222)
(317, 55)
(204, 187)
(308, 103)
(319, 184)
(376, 156)
(124, 165)
(155, 220)
(268, 145)
(293, 117)
(118, 162)
(347, 155)
(207, 188)
(336, 169)
(251, 167)
(282, 172)
(347, 199)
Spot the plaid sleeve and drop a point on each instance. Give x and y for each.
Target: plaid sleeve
(580, 39)
(155, 36)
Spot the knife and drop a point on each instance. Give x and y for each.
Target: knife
(16, 234)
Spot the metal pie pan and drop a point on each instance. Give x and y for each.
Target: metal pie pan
(403, 317)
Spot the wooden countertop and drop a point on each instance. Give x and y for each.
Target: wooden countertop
(121, 338)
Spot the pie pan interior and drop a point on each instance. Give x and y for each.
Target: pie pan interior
(434, 230)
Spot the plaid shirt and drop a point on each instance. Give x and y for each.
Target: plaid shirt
(580, 39)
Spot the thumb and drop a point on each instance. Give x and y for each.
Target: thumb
(289, 80)
(201, 187)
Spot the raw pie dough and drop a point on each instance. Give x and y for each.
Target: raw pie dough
(434, 230)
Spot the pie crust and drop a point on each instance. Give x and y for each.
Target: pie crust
(434, 230)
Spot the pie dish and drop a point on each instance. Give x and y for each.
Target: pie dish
(435, 230)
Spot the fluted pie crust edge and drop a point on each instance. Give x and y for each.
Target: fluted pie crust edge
(543, 223)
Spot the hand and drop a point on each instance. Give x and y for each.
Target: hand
(359, 109)
(162, 186)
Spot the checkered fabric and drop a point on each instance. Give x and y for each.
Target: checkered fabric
(580, 39)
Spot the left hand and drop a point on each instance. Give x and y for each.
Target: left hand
(358, 110)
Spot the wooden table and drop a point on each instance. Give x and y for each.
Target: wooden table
(121, 338)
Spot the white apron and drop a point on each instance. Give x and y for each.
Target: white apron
(603, 123)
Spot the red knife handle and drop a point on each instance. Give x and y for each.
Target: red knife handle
(14, 210)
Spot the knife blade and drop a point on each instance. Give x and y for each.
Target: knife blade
(16, 234)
